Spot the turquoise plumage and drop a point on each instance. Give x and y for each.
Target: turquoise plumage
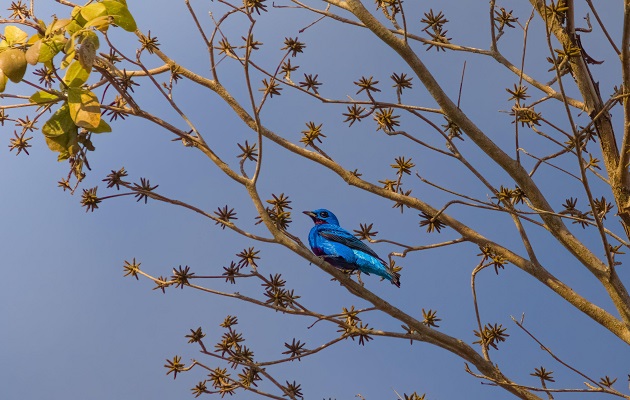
(343, 250)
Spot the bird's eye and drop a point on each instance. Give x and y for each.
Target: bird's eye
(323, 214)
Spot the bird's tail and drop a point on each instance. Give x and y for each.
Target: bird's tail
(394, 278)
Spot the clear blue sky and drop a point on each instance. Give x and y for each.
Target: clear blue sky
(72, 327)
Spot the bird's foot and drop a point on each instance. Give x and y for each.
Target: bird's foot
(359, 278)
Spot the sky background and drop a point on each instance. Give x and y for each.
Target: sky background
(73, 327)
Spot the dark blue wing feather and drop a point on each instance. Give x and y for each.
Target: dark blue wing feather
(347, 239)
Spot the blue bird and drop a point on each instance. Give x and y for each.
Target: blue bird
(342, 249)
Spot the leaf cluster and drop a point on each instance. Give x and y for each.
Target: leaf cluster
(496, 260)
(491, 335)
(276, 293)
(434, 26)
(68, 130)
(433, 224)
(232, 349)
(503, 18)
(279, 211)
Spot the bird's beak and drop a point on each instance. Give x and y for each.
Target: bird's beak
(309, 213)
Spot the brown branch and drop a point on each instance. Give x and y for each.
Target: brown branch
(578, 151)
(425, 247)
(548, 390)
(601, 25)
(607, 276)
(545, 348)
(595, 312)
(239, 384)
(423, 333)
(624, 159)
(615, 289)
(451, 344)
(231, 225)
(494, 54)
(484, 345)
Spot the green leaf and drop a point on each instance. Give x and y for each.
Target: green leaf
(59, 123)
(121, 14)
(34, 39)
(3, 81)
(101, 128)
(85, 109)
(70, 50)
(42, 97)
(76, 14)
(77, 21)
(56, 25)
(61, 133)
(76, 75)
(14, 35)
(50, 48)
(73, 27)
(67, 145)
(13, 64)
(93, 11)
(100, 23)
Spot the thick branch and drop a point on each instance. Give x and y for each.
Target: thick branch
(618, 173)
(615, 289)
(595, 312)
(625, 74)
(423, 333)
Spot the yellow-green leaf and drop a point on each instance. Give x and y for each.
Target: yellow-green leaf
(100, 23)
(13, 64)
(56, 26)
(59, 123)
(76, 75)
(73, 27)
(3, 81)
(34, 39)
(42, 97)
(77, 21)
(61, 133)
(14, 35)
(50, 48)
(67, 145)
(121, 14)
(85, 109)
(93, 10)
(69, 46)
(68, 59)
(76, 12)
(101, 128)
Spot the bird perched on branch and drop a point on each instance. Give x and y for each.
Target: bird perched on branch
(342, 249)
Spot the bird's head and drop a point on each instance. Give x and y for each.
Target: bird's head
(322, 216)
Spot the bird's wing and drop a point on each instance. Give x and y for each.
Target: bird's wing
(346, 238)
